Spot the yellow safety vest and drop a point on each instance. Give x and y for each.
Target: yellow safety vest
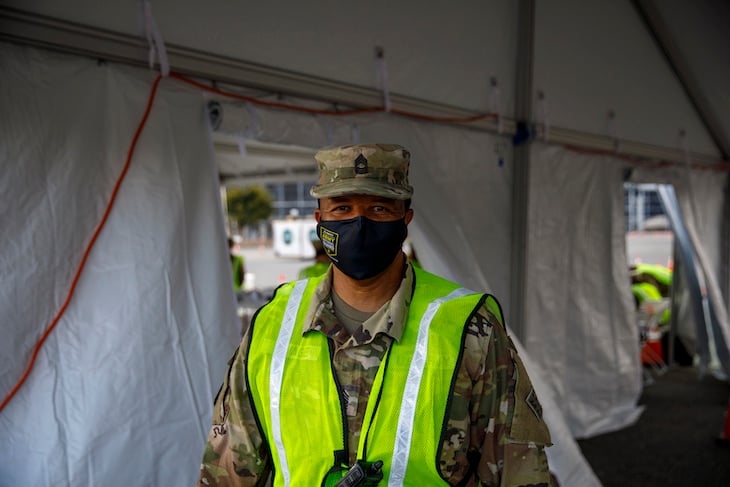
(297, 400)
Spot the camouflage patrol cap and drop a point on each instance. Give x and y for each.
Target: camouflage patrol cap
(374, 169)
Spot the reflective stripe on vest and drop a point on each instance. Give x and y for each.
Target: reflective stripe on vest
(404, 432)
(303, 452)
(278, 360)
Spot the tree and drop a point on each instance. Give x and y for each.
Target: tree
(249, 205)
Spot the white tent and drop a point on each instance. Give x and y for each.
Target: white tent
(526, 203)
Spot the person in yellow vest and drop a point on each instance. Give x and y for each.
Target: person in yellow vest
(656, 275)
(375, 373)
(237, 266)
(321, 262)
(652, 284)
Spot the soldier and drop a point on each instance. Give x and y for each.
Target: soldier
(376, 372)
(237, 266)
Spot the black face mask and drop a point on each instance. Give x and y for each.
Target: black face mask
(360, 247)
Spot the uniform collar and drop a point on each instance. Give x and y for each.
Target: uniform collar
(389, 319)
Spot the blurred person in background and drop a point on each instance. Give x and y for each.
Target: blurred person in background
(321, 262)
(237, 266)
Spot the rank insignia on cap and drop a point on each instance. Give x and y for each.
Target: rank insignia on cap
(371, 169)
(361, 165)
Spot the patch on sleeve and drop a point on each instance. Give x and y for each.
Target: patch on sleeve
(527, 426)
(534, 403)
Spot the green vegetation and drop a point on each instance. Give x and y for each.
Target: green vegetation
(248, 206)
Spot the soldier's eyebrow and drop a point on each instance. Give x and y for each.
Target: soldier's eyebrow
(371, 200)
(340, 199)
(387, 202)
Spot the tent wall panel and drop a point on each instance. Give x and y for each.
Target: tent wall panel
(701, 197)
(131, 368)
(579, 314)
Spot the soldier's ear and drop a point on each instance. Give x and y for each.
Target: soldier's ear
(409, 215)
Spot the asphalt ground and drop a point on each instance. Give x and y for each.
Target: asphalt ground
(674, 441)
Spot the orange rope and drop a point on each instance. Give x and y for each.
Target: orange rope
(644, 161)
(90, 245)
(315, 111)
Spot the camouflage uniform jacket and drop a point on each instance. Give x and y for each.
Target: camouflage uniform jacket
(495, 434)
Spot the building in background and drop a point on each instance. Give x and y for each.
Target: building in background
(643, 208)
(291, 199)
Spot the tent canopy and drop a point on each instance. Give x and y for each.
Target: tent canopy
(657, 66)
(525, 202)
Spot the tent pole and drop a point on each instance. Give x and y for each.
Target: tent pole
(521, 172)
(686, 256)
(724, 274)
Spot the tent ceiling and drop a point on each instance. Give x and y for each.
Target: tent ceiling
(594, 57)
(128, 45)
(700, 60)
(591, 58)
(335, 40)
